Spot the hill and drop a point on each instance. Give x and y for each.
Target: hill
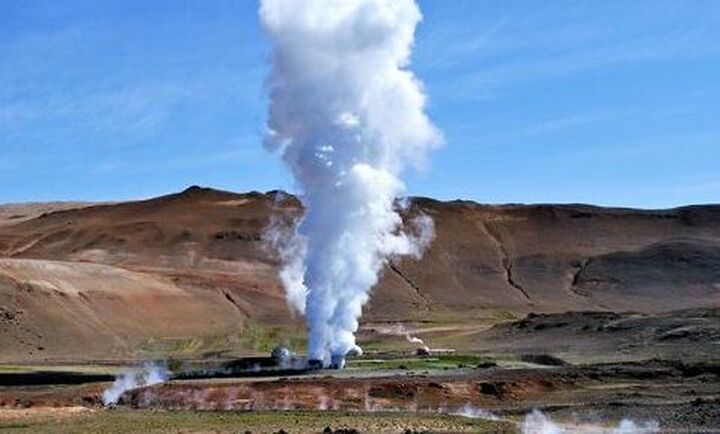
(191, 271)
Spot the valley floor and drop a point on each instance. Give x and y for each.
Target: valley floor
(595, 398)
(586, 372)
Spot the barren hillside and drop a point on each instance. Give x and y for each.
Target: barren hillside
(111, 278)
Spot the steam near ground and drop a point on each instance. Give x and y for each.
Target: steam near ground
(400, 330)
(348, 117)
(476, 413)
(146, 375)
(535, 423)
(539, 423)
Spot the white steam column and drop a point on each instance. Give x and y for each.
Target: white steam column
(347, 117)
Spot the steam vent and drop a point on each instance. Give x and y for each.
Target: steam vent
(464, 217)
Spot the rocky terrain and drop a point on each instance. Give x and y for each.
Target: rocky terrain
(591, 315)
(190, 272)
(590, 398)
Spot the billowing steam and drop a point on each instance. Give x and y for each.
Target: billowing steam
(147, 375)
(538, 423)
(347, 117)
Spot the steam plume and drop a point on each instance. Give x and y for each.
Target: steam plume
(538, 423)
(414, 340)
(347, 117)
(476, 413)
(147, 375)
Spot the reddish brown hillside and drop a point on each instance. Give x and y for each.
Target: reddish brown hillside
(208, 246)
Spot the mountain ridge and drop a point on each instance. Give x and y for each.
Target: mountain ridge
(208, 246)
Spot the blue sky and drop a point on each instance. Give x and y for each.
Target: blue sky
(612, 102)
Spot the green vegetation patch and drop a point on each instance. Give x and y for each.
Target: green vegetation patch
(445, 361)
(505, 316)
(79, 369)
(252, 338)
(263, 339)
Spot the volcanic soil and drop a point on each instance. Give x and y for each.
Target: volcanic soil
(191, 273)
(586, 313)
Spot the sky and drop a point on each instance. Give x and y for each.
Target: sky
(611, 103)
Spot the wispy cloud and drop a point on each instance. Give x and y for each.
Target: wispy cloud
(478, 58)
(137, 109)
(550, 125)
(65, 82)
(447, 46)
(235, 153)
(650, 147)
(582, 59)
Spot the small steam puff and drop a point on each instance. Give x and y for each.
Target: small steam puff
(538, 423)
(348, 117)
(415, 340)
(476, 413)
(147, 375)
